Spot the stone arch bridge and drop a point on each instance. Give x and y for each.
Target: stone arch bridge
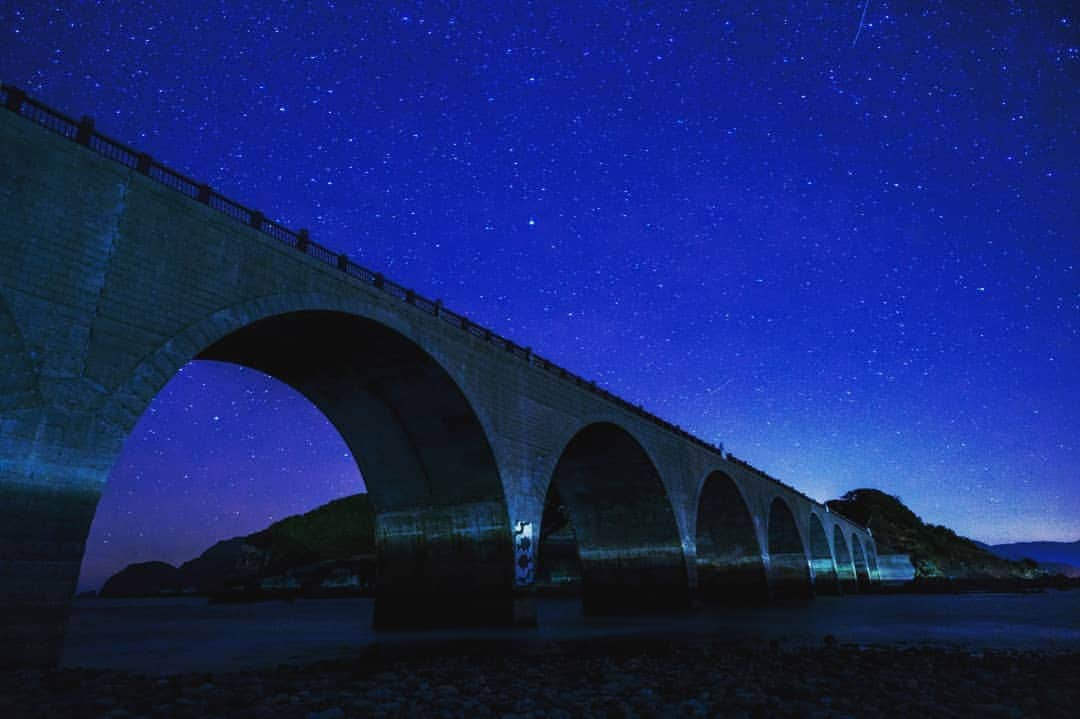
(116, 271)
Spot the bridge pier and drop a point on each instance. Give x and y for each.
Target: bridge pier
(826, 581)
(445, 566)
(622, 583)
(49, 489)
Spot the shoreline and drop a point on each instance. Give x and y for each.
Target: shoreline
(922, 586)
(166, 636)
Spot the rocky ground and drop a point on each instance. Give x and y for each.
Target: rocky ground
(613, 679)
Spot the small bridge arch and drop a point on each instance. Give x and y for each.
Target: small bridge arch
(729, 556)
(826, 580)
(789, 569)
(845, 566)
(622, 519)
(862, 569)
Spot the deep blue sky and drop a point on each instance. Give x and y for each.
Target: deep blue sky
(854, 264)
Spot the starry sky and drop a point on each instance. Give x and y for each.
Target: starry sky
(844, 245)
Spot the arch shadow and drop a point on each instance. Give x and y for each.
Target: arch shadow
(845, 568)
(826, 580)
(789, 570)
(729, 561)
(615, 503)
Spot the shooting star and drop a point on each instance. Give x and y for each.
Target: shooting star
(861, 21)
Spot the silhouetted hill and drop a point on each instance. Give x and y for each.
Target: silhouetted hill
(1061, 556)
(936, 551)
(141, 579)
(338, 530)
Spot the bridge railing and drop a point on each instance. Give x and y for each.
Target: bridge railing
(82, 131)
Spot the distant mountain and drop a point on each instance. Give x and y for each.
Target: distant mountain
(339, 529)
(937, 552)
(142, 579)
(336, 531)
(1053, 555)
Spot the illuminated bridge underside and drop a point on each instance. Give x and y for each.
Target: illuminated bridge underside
(110, 281)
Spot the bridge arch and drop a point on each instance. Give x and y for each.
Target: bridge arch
(622, 520)
(862, 569)
(826, 580)
(845, 567)
(729, 557)
(871, 561)
(789, 570)
(441, 519)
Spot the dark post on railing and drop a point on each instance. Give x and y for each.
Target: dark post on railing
(85, 131)
(303, 239)
(15, 98)
(257, 219)
(143, 163)
(379, 279)
(204, 194)
(343, 262)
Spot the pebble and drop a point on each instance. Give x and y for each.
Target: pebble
(628, 679)
(331, 713)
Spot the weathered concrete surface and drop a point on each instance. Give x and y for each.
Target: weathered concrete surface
(110, 282)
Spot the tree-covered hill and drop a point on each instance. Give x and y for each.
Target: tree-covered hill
(339, 530)
(936, 551)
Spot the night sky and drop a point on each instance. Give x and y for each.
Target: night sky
(852, 261)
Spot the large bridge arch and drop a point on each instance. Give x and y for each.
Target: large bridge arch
(441, 518)
(729, 556)
(623, 521)
(142, 381)
(845, 566)
(789, 570)
(826, 580)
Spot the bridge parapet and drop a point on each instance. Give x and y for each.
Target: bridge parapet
(83, 132)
